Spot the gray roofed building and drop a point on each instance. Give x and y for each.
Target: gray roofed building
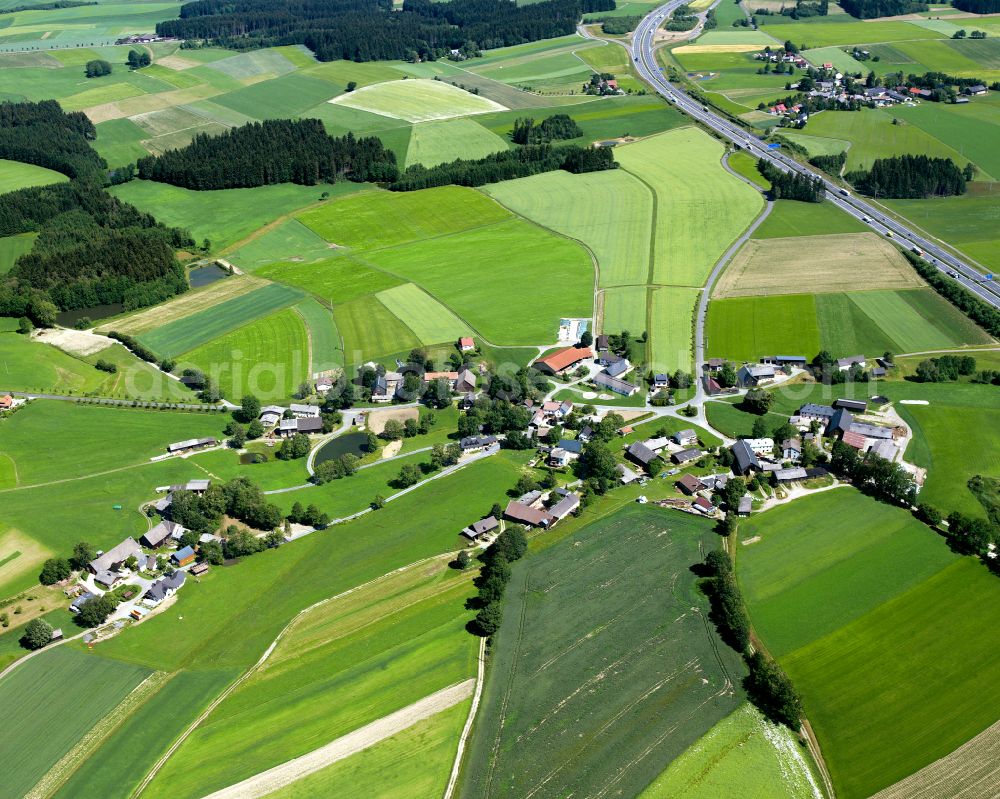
(288, 427)
(107, 578)
(843, 364)
(855, 406)
(641, 454)
(525, 514)
(685, 437)
(310, 425)
(819, 413)
(840, 422)
(466, 382)
(753, 374)
(190, 443)
(164, 530)
(619, 367)
(116, 556)
(195, 486)
(745, 506)
(614, 384)
(785, 360)
(476, 443)
(626, 475)
(686, 455)
(304, 411)
(533, 498)
(565, 506)
(871, 430)
(80, 601)
(571, 445)
(790, 475)
(791, 449)
(746, 460)
(481, 527)
(164, 588)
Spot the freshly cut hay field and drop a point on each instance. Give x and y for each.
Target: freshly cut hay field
(815, 265)
(15, 175)
(290, 241)
(51, 718)
(325, 346)
(764, 759)
(19, 555)
(745, 328)
(282, 97)
(197, 329)
(369, 330)
(511, 281)
(604, 668)
(791, 218)
(417, 100)
(333, 280)
(414, 764)
(610, 212)
(248, 65)
(430, 321)
(916, 665)
(268, 357)
(341, 666)
(187, 304)
(13, 247)
(385, 219)
(671, 322)
(624, 308)
(433, 143)
(700, 208)
(805, 579)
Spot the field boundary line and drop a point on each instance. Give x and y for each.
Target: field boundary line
(260, 662)
(346, 745)
(309, 341)
(467, 729)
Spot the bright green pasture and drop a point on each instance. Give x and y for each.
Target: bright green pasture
(816, 145)
(119, 142)
(840, 58)
(362, 73)
(597, 681)
(560, 73)
(13, 247)
(190, 332)
(224, 464)
(700, 208)
(610, 212)
(385, 219)
(825, 34)
(283, 97)
(790, 218)
(746, 165)
(253, 64)
(742, 36)
(732, 73)
(917, 666)
(417, 100)
(745, 328)
(872, 135)
(15, 175)
(84, 429)
(124, 758)
(511, 281)
(290, 241)
(268, 357)
(50, 718)
(966, 128)
(353, 665)
(325, 347)
(430, 321)
(334, 280)
(624, 308)
(413, 764)
(671, 327)
(433, 143)
(823, 561)
(764, 759)
(369, 330)
(224, 216)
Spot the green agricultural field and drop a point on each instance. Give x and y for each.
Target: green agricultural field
(52, 719)
(290, 241)
(138, 435)
(285, 96)
(610, 212)
(224, 216)
(429, 320)
(433, 143)
(804, 581)
(417, 100)
(765, 760)
(598, 680)
(82, 26)
(550, 67)
(624, 308)
(334, 280)
(875, 674)
(671, 327)
(790, 218)
(268, 357)
(413, 764)
(966, 128)
(494, 301)
(745, 328)
(325, 347)
(683, 169)
(13, 247)
(15, 175)
(369, 330)
(386, 219)
(224, 464)
(198, 329)
(825, 34)
(340, 666)
(746, 165)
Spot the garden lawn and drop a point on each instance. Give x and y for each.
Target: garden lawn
(610, 212)
(369, 330)
(334, 280)
(745, 328)
(791, 218)
(671, 327)
(430, 321)
(601, 672)
(417, 100)
(700, 208)
(51, 719)
(200, 328)
(325, 347)
(385, 219)
(433, 143)
(16, 175)
(268, 357)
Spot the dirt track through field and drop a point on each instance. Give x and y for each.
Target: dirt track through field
(274, 778)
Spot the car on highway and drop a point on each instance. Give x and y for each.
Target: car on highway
(866, 219)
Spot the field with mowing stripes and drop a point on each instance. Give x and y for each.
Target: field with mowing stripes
(417, 100)
(15, 175)
(748, 327)
(288, 241)
(672, 327)
(433, 143)
(430, 321)
(334, 280)
(370, 330)
(604, 669)
(326, 348)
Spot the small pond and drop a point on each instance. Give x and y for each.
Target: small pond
(204, 275)
(352, 443)
(94, 313)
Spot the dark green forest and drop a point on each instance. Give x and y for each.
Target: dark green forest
(44, 135)
(978, 6)
(869, 9)
(910, 177)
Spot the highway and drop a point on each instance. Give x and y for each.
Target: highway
(642, 51)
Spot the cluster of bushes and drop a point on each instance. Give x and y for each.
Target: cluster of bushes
(557, 126)
(874, 475)
(831, 164)
(134, 346)
(506, 165)
(97, 68)
(240, 542)
(106, 366)
(946, 368)
(980, 312)
(310, 515)
(238, 499)
(683, 19)
(824, 369)
(509, 546)
(58, 568)
(273, 151)
(791, 185)
(767, 686)
(616, 26)
(335, 468)
(912, 177)
(137, 59)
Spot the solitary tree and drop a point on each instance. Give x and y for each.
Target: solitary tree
(37, 633)
(54, 570)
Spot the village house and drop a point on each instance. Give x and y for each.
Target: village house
(311, 425)
(745, 506)
(163, 588)
(288, 428)
(466, 344)
(641, 454)
(477, 443)
(164, 532)
(602, 342)
(686, 437)
(561, 361)
(480, 528)
(451, 377)
(661, 381)
(618, 368)
(80, 601)
(323, 385)
(114, 558)
(565, 452)
(703, 505)
(689, 484)
(527, 515)
(843, 364)
(686, 455)
(762, 447)
(790, 475)
(816, 413)
(182, 557)
(750, 375)
(839, 423)
(304, 411)
(564, 507)
(465, 382)
(603, 379)
(626, 475)
(190, 444)
(107, 579)
(745, 460)
(270, 415)
(791, 449)
(586, 433)
(657, 444)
